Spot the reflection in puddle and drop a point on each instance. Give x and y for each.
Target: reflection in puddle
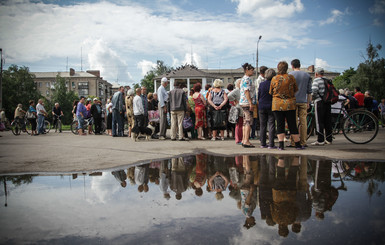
(201, 199)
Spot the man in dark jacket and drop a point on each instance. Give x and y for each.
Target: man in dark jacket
(96, 112)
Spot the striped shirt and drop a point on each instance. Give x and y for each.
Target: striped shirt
(318, 88)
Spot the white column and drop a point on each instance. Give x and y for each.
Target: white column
(204, 82)
(172, 81)
(188, 84)
(155, 88)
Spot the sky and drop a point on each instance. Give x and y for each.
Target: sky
(124, 38)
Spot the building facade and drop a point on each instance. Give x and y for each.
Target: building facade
(83, 83)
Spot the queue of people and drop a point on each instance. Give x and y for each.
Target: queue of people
(280, 101)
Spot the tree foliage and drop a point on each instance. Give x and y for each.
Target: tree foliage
(148, 80)
(344, 80)
(65, 98)
(18, 88)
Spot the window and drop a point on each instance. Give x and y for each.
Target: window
(39, 84)
(83, 92)
(83, 85)
(73, 85)
(47, 84)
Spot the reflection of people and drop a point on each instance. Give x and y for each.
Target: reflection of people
(164, 176)
(323, 193)
(120, 176)
(200, 176)
(248, 193)
(267, 176)
(141, 177)
(179, 179)
(284, 210)
(218, 181)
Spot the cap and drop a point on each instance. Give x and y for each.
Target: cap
(95, 99)
(164, 79)
(319, 70)
(89, 99)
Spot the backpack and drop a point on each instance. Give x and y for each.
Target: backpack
(330, 94)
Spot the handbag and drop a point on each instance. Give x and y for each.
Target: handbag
(219, 119)
(30, 115)
(187, 123)
(233, 115)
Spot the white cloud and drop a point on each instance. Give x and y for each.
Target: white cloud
(196, 60)
(321, 63)
(102, 57)
(146, 66)
(268, 8)
(378, 7)
(336, 16)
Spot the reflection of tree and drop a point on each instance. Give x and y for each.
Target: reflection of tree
(20, 179)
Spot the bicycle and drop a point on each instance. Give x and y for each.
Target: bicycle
(18, 125)
(58, 124)
(75, 124)
(28, 126)
(358, 126)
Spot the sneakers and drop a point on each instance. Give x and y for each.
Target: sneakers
(263, 146)
(162, 138)
(213, 139)
(272, 147)
(328, 142)
(318, 143)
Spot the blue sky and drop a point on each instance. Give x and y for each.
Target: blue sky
(123, 39)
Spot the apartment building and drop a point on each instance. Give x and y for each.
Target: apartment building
(83, 83)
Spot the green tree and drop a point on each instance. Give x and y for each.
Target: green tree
(18, 88)
(371, 73)
(344, 80)
(65, 98)
(148, 80)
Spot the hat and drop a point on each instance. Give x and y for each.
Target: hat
(164, 79)
(95, 99)
(319, 70)
(89, 99)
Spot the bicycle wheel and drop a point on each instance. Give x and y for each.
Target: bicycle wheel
(59, 125)
(74, 127)
(16, 130)
(310, 125)
(360, 127)
(28, 127)
(47, 126)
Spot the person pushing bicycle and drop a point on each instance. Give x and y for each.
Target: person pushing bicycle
(56, 113)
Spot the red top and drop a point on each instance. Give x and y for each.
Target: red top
(360, 97)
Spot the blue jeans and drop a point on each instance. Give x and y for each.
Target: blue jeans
(40, 124)
(116, 123)
(80, 122)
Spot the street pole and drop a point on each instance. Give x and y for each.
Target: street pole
(257, 54)
(1, 79)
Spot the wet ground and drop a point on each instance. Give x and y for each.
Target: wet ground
(200, 199)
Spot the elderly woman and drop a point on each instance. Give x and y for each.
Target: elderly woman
(218, 99)
(200, 110)
(247, 101)
(130, 110)
(283, 88)
(265, 114)
(234, 97)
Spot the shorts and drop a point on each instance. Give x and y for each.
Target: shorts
(247, 115)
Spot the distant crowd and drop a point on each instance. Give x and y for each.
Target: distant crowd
(269, 107)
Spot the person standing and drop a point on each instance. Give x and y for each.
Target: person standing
(266, 115)
(109, 116)
(145, 104)
(117, 113)
(19, 116)
(200, 110)
(246, 101)
(96, 112)
(283, 88)
(217, 100)
(162, 107)
(322, 110)
(178, 106)
(80, 114)
(234, 97)
(302, 98)
(32, 120)
(140, 126)
(41, 114)
(360, 97)
(130, 110)
(56, 113)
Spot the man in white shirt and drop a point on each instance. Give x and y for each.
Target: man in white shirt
(162, 107)
(41, 113)
(140, 120)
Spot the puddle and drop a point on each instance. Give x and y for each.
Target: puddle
(200, 199)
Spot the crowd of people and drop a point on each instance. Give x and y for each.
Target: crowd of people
(276, 103)
(282, 187)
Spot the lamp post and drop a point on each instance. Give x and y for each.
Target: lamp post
(257, 54)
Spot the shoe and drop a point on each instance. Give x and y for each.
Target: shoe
(173, 139)
(114, 135)
(239, 143)
(248, 146)
(183, 139)
(202, 138)
(272, 147)
(213, 139)
(263, 146)
(328, 142)
(280, 149)
(222, 138)
(290, 146)
(162, 138)
(124, 135)
(300, 148)
(318, 143)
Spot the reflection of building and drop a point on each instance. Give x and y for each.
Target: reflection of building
(191, 75)
(83, 83)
